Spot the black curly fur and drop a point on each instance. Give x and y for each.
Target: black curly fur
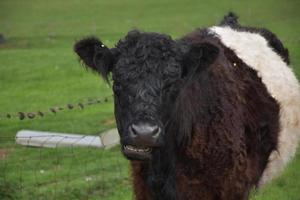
(231, 19)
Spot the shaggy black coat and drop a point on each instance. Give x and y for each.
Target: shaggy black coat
(220, 123)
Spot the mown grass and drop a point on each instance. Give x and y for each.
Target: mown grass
(63, 173)
(38, 70)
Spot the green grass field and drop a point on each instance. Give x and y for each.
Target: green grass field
(38, 70)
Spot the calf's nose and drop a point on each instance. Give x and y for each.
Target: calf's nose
(144, 133)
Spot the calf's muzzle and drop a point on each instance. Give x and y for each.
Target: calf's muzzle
(144, 134)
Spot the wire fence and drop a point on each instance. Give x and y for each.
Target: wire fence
(62, 172)
(21, 115)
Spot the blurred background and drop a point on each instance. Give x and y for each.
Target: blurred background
(39, 70)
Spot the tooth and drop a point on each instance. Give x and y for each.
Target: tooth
(137, 149)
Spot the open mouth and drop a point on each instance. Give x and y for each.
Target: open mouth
(137, 153)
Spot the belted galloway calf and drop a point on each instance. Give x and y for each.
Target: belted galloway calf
(208, 116)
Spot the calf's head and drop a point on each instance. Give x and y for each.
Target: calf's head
(147, 72)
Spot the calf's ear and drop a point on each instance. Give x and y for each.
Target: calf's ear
(95, 55)
(198, 57)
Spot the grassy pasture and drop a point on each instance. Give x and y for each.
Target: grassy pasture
(38, 70)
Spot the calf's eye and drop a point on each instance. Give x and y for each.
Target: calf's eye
(117, 88)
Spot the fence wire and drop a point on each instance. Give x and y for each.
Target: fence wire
(21, 115)
(62, 172)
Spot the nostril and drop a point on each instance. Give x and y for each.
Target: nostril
(133, 130)
(136, 129)
(156, 131)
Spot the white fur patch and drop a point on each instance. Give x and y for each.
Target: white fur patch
(281, 83)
